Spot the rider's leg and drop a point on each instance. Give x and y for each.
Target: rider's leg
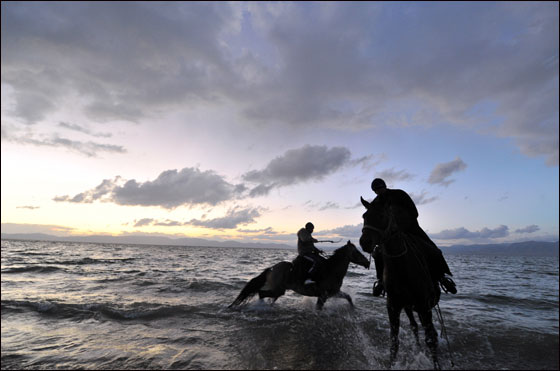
(378, 287)
(311, 271)
(436, 262)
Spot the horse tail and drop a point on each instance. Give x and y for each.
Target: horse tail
(251, 288)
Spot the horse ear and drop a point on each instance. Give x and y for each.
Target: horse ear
(365, 203)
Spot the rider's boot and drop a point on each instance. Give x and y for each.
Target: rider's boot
(311, 279)
(448, 285)
(378, 288)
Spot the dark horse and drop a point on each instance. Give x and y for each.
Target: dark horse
(406, 276)
(274, 281)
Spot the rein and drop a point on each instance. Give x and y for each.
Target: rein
(385, 235)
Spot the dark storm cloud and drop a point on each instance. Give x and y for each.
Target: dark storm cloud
(125, 59)
(363, 64)
(443, 171)
(492, 66)
(298, 165)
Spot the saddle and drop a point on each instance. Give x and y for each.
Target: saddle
(302, 265)
(300, 268)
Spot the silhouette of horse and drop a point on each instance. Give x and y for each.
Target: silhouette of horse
(274, 281)
(406, 276)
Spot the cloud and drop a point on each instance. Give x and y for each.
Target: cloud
(28, 207)
(391, 176)
(234, 217)
(82, 129)
(422, 198)
(444, 170)
(463, 233)
(329, 205)
(170, 189)
(369, 64)
(332, 64)
(149, 221)
(528, 229)
(347, 231)
(89, 148)
(143, 222)
(191, 186)
(106, 187)
(138, 49)
(296, 166)
(168, 223)
(367, 162)
(265, 231)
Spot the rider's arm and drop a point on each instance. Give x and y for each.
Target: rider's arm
(305, 236)
(317, 251)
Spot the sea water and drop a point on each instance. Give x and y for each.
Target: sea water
(111, 306)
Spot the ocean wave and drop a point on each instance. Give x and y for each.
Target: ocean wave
(529, 303)
(181, 286)
(35, 268)
(79, 312)
(355, 274)
(85, 261)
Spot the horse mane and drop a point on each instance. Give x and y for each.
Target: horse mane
(338, 253)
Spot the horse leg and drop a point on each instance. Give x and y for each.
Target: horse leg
(342, 294)
(320, 302)
(277, 294)
(413, 324)
(394, 319)
(274, 294)
(431, 335)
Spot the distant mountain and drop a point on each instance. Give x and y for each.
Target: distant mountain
(527, 248)
(142, 240)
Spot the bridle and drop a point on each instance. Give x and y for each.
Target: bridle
(385, 235)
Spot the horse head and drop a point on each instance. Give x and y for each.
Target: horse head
(356, 256)
(375, 223)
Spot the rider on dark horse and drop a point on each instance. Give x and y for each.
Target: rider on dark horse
(307, 250)
(406, 215)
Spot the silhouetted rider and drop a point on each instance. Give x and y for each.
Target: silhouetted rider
(406, 214)
(306, 249)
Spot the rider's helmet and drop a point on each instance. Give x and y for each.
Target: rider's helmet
(309, 226)
(378, 183)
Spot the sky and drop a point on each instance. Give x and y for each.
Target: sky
(245, 120)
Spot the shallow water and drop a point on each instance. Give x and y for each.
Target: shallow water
(91, 306)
